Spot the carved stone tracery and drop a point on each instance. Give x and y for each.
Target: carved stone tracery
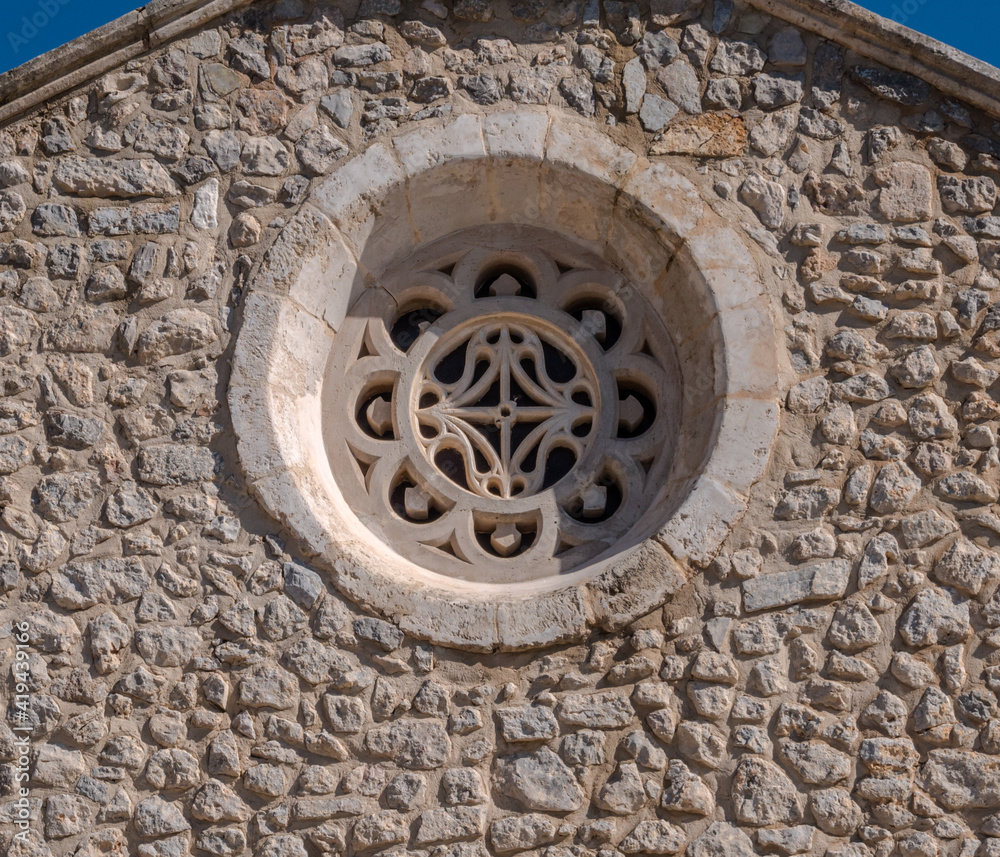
(508, 405)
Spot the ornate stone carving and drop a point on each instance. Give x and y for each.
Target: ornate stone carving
(502, 414)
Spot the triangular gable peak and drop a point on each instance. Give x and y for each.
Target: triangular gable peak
(91, 55)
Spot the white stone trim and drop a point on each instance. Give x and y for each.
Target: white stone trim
(300, 292)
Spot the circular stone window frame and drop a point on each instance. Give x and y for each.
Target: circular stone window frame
(429, 181)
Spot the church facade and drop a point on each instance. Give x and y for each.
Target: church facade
(479, 428)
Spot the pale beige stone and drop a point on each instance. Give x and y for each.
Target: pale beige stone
(907, 192)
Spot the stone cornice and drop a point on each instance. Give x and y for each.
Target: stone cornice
(95, 53)
(88, 57)
(953, 72)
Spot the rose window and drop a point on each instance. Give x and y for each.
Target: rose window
(502, 381)
(501, 406)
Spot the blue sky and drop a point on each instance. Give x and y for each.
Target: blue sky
(32, 27)
(969, 25)
(29, 28)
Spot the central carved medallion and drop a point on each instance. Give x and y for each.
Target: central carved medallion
(507, 407)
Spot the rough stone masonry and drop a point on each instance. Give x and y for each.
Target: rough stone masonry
(825, 685)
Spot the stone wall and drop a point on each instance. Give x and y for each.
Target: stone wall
(187, 683)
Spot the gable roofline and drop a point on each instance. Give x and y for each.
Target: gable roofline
(94, 54)
(951, 71)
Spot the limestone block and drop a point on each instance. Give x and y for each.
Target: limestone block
(822, 582)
